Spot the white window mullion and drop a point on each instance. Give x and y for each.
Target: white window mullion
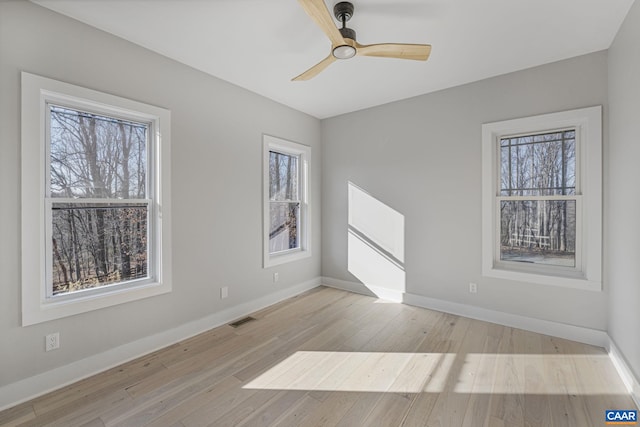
(105, 201)
(525, 198)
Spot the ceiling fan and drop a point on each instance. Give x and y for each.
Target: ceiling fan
(343, 40)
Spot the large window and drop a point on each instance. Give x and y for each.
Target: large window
(286, 201)
(99, 213)
(92, 173)
(542, 199)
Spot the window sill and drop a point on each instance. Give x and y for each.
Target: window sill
(284, 258)
(542, 279)
(48, 310)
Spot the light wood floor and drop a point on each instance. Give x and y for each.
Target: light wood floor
(332, 358)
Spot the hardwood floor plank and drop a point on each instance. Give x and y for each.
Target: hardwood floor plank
(297, 413)
(96, 422)
(331, 410)
(199, 400)
(193, 364)
(273, 409)
(196, 345)
(507, 399)
(113, 379)
(567, 408)
(420, 409)
(277, 307)
(369, 326)
(270, 360)
(450, 407)
(17, 415)
(81, 412)
(362, 406)
(254, 400)
(390, 410)
(218, 407)
(537, 409)
(477, 412)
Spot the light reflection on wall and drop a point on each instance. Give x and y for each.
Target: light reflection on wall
(375, 244)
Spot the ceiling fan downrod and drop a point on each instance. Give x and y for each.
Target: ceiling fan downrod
(343, 11)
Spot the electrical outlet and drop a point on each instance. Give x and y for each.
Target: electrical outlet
(52, 341)
(276, 277)
(473, 288)
(224, 292)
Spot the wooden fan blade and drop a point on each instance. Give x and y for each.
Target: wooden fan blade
(318, 11)
(418, 52)
(316, 69)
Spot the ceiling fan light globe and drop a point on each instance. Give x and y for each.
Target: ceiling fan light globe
(344, 52)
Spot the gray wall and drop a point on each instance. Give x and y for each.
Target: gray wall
(216, 182)
(624, 197)
(422, 157)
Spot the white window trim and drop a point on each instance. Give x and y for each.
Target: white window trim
(588, 125)
(37, 91)
(270, 143)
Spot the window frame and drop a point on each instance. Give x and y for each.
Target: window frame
(587, 273)
(37, 303)
(303, 153)
(84, 107)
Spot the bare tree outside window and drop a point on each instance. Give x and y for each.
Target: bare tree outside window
(98, 190)
(537, 199)
(284, 202)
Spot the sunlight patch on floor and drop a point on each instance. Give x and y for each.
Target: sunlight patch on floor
(534, 374)
(479, 373)
(358, 372)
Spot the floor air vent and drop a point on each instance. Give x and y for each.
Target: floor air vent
(241, 321)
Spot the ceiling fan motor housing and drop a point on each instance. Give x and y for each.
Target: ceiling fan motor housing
(343, 11)
(348, 33)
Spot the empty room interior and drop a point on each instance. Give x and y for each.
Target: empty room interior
(306, 213)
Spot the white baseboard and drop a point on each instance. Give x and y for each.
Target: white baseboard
(628, 378)
(29, 388)
(561, 330)
(355, 287)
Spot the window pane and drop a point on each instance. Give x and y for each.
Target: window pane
(283, 231)
(538, 165)
(94, 246)
(538, 231)
(94, 156)
(283, 177)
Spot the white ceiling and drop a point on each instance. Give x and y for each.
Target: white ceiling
(260, 45)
